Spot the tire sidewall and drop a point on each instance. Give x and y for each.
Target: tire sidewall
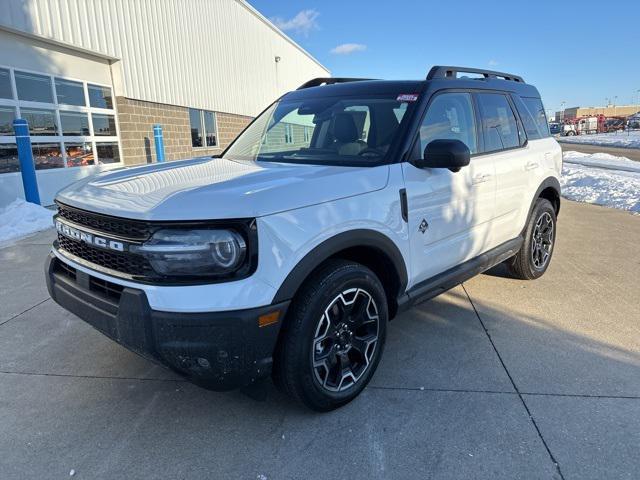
(335, 283)
(542, 206)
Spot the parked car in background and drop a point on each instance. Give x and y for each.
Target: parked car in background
(555, 128)
(344, 203)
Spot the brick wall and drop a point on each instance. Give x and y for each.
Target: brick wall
(136, 119)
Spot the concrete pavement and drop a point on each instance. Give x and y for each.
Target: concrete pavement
(495, 379)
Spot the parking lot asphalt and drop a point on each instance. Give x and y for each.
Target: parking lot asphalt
(630, 153)
(497, 378)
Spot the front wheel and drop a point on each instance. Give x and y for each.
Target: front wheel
(534, 256)
(334, 336)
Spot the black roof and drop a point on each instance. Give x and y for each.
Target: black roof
(439, 77)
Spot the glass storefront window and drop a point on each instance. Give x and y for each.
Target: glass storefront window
(41, 122)
(79, 154)
(108, 153)
(69, 92)
(34, 88)
(5, 83)
(100, 97)
(74, 124)
(7, 116)
(104, 125)
(9, 158)
(47, 155)
(210, 128)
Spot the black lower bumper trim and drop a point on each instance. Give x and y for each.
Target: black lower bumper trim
(217, 350)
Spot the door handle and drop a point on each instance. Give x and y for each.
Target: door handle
(531, 165)
(481, 178)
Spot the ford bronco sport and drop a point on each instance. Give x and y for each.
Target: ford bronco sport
(342, 204)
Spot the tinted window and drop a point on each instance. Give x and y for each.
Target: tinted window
(104, 124)
(108, 152)
(499, 125)
(74, 123)
(100, 97)
(195, 120)
(7, 116)
(5, 84)
(47, 155)
(210, 128)
(450, 117)
(536, 109)
(34, 88)
(69, 93)
(41, 122)
(9, 158)
(530, 125)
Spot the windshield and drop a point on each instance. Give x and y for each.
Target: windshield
(348, 131)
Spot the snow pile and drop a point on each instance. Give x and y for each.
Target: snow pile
(610, 188)
(602, 160)
(21, 218)
(615, 139)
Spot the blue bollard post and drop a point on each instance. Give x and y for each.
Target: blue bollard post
(25, 156)
(159, 141)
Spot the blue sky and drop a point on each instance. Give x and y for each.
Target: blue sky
(580, 52)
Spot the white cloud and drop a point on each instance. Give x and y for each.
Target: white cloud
(493, 63)
(303, 23)
(347, 48)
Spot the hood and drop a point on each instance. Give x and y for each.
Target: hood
(218, 188)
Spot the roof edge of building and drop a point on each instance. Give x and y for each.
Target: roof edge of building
(270, 24)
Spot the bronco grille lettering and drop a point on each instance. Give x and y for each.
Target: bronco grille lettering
(89, 238)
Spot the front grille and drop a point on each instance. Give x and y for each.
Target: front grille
(134, 265)
(108, 289)
(121, 227)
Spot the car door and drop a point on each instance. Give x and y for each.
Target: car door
(449, 213)
(506, 145)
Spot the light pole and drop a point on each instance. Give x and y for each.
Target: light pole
(562, 104)
(615, 100)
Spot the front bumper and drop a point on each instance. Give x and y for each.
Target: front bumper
(217, 350)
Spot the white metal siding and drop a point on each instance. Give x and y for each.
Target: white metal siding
(213, 54)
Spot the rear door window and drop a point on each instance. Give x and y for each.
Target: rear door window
(499, 124)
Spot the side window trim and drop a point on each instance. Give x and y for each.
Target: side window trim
(516, 116)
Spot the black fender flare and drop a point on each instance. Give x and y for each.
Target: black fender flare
(549, 182)
(335, 244)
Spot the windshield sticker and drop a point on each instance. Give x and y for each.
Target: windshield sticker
(407, 97)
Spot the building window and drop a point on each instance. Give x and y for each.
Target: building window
(99, 96)
(79, 154)
(74, 124)
(69, 92)
(9, 158)
(41, 122)
(47, 156)
(33, 88)
(288, 133)
(66, 129)
(108, 153)
(307, 135)
(5, 83)
(104, 125)
(203, 125)
(210, 129)
(7, 116)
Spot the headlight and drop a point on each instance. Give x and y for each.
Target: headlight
(194, 252)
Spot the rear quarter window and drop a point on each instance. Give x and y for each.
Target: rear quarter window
(536, 109)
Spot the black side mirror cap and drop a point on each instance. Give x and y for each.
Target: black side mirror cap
(451, 154)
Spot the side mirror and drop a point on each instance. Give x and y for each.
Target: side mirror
(451, 154)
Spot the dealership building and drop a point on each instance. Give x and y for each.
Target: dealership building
(92, 77)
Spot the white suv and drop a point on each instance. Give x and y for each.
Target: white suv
(343, 203)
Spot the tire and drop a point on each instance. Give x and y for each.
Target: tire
(534, 256)
(338, 319)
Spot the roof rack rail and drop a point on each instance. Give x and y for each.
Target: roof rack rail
(316, 82)
(452, 72)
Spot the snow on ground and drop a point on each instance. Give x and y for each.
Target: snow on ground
(601, 186)
(602, 160)
(615, 139)
(20, 219)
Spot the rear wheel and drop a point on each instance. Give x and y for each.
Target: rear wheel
(334, 336)
(534, 256)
